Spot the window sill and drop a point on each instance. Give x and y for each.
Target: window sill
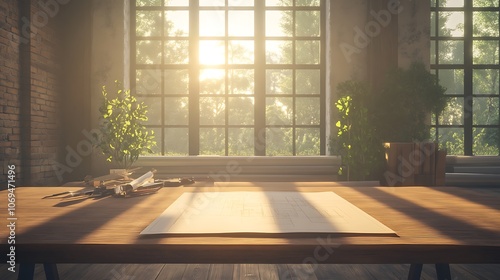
(242, 168)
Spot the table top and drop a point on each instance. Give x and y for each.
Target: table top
(433, 224)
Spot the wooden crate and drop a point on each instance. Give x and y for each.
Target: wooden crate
(414, 163)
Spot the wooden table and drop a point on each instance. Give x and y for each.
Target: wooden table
(439, 225)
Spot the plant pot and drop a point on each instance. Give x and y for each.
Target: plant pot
(414, 163)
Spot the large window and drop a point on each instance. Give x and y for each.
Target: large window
(465, 39)
(232, 77)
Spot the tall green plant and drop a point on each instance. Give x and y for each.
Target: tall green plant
(356, 139)
(402, 109)
(123, 135)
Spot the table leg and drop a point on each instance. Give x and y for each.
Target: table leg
(26, 271)
(415, 271)
(51, 272)
(443, 271)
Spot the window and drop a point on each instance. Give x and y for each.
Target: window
(232, 77)
(465, 39)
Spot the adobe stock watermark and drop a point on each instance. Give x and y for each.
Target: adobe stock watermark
(373, 28)
(40, 19)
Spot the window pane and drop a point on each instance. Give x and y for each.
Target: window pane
(241, 52)
(212, 111)
(148, 52)
(307, 111)
(148, 2)
(433, 52)
(241, 81)
(213, 3)
(486, 141)
(177, 3)
(212, 141)
(279, 141)
(307, 52)
(452, 139)
(451, 52)
(279, 81)
(433, 24)
(241, 141)
(452, 80)
(485, 52)
(176, 141)
(485, 111)
(212, 81)
(452, 24)
(433, 3)
(278, 52)
(177, 23)
(307, 81)
(485, 81)
(154, 109)
(485, 3)
(176, 52)
(240, 3)
(279, 110)
(212, 23)
(148, 81)
(309, 3)
(157, 148)
(176, 110)
(241, 110)
(451, 3)
(176, 82)
(273, 3)
(212, 52)
(307, 23)
(485, 24)
(453, 113)
(279, 23)
(240, 23)
(307, 141)
(148, 23)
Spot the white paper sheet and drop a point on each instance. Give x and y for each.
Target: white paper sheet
(264, 212)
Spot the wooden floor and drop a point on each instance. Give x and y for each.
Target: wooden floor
(253, 272)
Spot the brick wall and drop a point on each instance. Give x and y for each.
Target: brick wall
(45, 94)
(9, 86)
(29, 91)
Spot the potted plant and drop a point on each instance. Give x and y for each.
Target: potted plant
(123, 136)
(397, 119)
(356, 140)
(401, 114)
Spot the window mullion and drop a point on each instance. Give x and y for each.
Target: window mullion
(194, 86)
(468, 88)
(260, 80)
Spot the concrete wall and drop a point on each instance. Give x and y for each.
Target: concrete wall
(110, 58)
(369, 37)
(414, 33)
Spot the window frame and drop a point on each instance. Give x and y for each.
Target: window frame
(468, 66)
(259, 67)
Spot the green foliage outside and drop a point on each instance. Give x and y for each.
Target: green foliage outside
(123, 135)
